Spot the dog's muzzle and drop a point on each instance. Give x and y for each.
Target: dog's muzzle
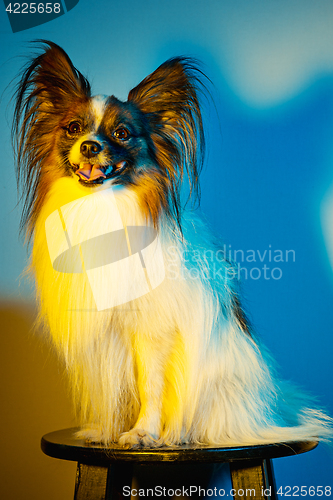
(90, 171)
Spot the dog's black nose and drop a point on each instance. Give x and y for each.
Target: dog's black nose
(90, 148)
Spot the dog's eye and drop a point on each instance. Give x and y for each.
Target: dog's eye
(122, 134)
(74, 128)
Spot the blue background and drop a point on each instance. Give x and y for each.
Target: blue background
(267, 181)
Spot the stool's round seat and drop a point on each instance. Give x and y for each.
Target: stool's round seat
(105, 473)
(62, 444)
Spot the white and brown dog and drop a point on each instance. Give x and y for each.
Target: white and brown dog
(158, 348)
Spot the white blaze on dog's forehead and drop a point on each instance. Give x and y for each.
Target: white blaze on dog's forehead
(98, 105)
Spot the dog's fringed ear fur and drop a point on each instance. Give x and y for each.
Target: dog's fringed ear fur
(48, 85)
(169, 97)
(50, 77)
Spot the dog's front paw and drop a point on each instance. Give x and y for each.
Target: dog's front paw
(138, 438)
(91, 435)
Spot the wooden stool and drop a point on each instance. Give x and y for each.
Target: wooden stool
(107, 473)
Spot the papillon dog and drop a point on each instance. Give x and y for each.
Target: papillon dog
(157, 346)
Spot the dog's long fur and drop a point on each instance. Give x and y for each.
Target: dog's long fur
(180, 363)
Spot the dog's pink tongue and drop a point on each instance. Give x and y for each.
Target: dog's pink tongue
(90, 172)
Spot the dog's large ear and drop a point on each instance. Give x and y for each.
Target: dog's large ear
(169, 99)
(48, 85)
(49, 80)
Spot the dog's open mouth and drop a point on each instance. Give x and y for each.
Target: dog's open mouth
(90, 174)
